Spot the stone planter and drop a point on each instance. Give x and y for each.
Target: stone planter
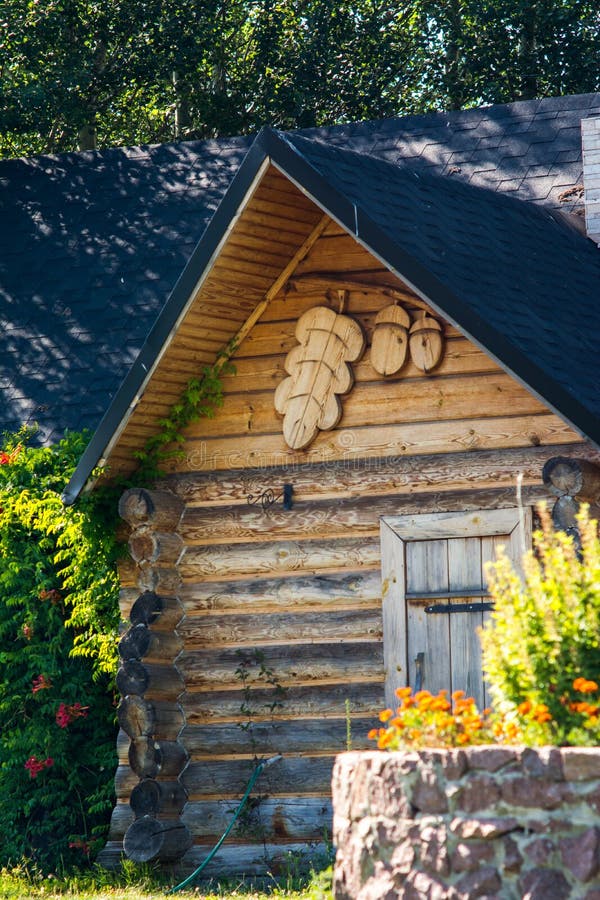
(502, 822)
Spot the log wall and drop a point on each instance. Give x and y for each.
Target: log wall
(271, 624)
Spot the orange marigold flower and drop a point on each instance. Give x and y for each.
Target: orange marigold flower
(385, 715)
(462, 738)
(578, 682)
(524, 708)
(403, 692)
(422, 695)
(458, 695)
(588, 687)
(373, 734)
(397, 722)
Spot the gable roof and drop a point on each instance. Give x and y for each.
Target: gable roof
(96, 241)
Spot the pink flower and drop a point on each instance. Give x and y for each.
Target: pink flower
(27, 631)
(34, 765)
(66, 714)
(41, 683)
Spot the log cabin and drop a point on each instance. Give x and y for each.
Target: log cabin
(411, 310)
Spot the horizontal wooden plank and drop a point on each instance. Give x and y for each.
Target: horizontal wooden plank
(318, 700)
(286, 557)
(234, 630)
(236, 860)
(293, 775)
(296, 299)
(461, 357)
(374, 442)
(370, 478)
(267, 738)
(272, 338)
(337, 254)
(294, 818)
(294, 664)
(356, 589)
(399, 401)
(328, 518)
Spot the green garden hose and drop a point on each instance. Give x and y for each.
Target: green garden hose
(253, 778)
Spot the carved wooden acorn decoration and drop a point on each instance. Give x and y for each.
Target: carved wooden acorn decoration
(318, 372)
(389, 345)
(426, 342)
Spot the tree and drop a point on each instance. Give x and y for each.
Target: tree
(135, 71)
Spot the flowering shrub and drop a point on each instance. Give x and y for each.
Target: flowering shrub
(427, 720)
(58, 629)
(541, 647)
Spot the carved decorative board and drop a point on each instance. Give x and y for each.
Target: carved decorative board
(392, 339)
(319, 372)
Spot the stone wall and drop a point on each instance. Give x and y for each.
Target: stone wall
(501, 822)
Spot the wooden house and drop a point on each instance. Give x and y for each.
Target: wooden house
(412, 311)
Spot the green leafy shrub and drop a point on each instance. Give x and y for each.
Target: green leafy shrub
(58, 628)
(541, 647)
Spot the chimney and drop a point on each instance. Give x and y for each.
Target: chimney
(590, 136)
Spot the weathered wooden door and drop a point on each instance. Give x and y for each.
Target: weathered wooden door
(435, 596)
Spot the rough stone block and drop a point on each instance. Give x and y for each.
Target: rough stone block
(544, 884)
(539, 851)
(532, 792)
(581, 854)
(478, 792)
(491, 759)
(427, 795)
(433, 852)
(512, 857)
(469, 856)
(543, 762)
(487, 828)
(580, 763)
(482, 883)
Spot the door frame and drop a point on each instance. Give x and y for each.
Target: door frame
(396, 532)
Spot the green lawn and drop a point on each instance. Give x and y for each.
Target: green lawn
(134, 884)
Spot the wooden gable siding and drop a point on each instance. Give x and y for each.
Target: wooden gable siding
(297, 593)
(268, 236)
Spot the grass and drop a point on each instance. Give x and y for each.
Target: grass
(140, 883)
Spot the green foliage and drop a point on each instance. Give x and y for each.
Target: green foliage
(541, 648)
(58, 628)
(202, 396)
(137, 71)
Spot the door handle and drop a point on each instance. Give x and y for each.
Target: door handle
(419, 662)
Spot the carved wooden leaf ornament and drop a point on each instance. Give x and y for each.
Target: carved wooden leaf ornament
(318, 372)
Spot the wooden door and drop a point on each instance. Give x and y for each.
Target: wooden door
(435, 595)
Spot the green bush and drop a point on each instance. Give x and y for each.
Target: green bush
(58, 629)
(541, 647)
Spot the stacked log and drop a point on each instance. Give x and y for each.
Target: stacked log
(573, 481)
(150, 683)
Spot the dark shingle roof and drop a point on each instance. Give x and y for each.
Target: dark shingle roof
(520, 282)
(91, 244)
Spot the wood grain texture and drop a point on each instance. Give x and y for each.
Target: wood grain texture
(319, 591)
(400, 401)
(326, 519)
(368, 478)
(290, 664)
(285, 557)
(291, 775)
(293, 818)
(377, 441)
(319, 700)
(304, 735)
(232, 630)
